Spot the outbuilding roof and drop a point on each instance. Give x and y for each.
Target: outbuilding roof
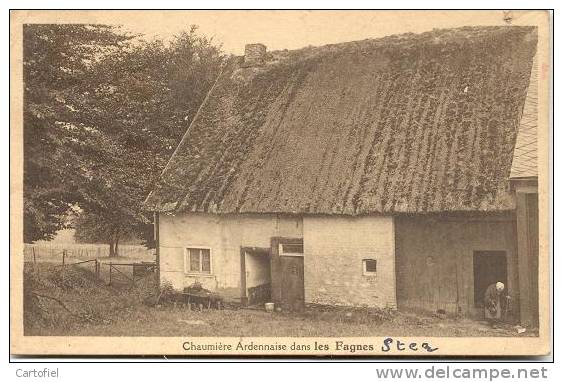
(411, 123)
(525, 158)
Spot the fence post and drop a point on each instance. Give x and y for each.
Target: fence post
(110, 266)
(63, 267)
(33, 251)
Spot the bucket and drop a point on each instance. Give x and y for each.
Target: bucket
(269, 306)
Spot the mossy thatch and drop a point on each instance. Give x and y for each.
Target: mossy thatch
(409, 123)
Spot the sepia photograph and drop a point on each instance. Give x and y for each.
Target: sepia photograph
(297, 183)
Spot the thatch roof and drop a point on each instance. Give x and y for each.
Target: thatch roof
(402, 124)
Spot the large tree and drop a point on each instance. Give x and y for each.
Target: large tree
(129, 111)
(56, 59)
(145, 97)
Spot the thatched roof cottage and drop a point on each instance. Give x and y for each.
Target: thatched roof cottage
(371, 173)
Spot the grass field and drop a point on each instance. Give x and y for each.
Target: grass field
(85, 306)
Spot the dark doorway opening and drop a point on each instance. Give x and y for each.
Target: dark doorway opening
(488, 268)
(255, 275)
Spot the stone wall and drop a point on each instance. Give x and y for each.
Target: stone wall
(334, 249)
(224, 235)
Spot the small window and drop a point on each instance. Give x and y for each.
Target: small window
(291, 249)
(198, 260)
(369, 267)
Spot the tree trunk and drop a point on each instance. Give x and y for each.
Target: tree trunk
(116, 245)
(112, 252)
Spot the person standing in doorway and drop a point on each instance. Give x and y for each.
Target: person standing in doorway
(493, 297)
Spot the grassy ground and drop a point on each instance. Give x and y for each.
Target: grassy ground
(169, 322)
(91, 308)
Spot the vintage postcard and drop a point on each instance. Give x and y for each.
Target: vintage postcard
(280, 183)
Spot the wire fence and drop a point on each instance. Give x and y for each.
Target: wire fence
(104, 269)
(52, 252)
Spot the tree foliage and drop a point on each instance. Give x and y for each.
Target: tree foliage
(56, 59)
(116, 124)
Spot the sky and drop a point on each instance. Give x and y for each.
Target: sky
(284, 29)
(297, 29)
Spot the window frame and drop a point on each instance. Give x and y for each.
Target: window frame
(187, 259)
(365, 272)
(290, 254)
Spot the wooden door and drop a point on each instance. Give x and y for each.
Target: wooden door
(292, 283)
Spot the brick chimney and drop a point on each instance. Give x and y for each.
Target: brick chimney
(254, 55)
